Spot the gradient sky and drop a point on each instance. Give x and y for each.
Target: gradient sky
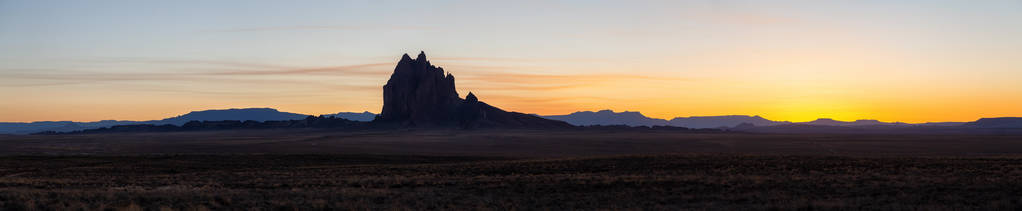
(909, 61)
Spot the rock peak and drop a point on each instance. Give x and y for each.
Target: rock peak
(471, 97)
(419, 94)
(421, 57)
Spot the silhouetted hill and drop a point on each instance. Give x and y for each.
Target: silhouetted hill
(1002, 122)
(60, 126)
(608, 117)
(861, 122)
(763, 125)
(799, 129)
(942, 124)
(307, 122)
(824, 122)
(419, 94)
(362, 117)
(988, 126)
(720, 121)
(239, 114)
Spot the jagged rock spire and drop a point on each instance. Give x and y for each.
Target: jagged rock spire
(471, 98)
(421, 95)
(422, 56)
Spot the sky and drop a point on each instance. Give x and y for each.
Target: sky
(907, 61)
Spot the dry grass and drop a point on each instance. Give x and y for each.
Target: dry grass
(662, 182)
(512, 143)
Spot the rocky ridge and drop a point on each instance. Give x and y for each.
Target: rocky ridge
(419, 94)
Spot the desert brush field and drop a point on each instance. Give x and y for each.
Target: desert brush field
(375, 182)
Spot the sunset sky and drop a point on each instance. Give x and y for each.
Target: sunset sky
(908, 61)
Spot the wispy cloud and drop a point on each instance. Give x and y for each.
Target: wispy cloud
(539, 99)
(521, 87)
(320, 27)
(247, 94)
(32, 77)
(72, 79)
(539, 104)
(190, 62)
(30, 84)
(347, 69)
(499, 59)
(526, 78)
(502, 85)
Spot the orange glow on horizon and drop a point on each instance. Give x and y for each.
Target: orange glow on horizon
(798, 97)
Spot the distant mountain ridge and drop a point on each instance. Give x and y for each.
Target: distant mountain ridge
(631, 118)
(1001, 122)
(241, 114)
(307, 122)
(608, 117)
(238, 114)
(757, 124)
(61, 126)
(720, 121)
(581, 118)
(365, 116)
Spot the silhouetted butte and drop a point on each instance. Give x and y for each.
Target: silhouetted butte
(419, 94)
